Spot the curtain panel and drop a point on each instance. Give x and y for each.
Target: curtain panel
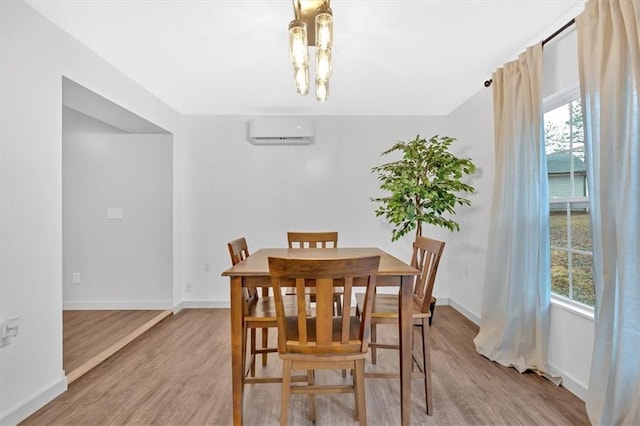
(514, 326)
(609, 62)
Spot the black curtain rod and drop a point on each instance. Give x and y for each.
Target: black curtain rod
(487, 83)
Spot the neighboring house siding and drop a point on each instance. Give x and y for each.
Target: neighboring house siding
(560, 185)
(559, 165)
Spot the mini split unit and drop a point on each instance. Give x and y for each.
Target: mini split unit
(281, 131)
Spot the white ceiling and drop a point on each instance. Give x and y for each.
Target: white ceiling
(391, 57)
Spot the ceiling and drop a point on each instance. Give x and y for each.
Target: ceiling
(390, 57)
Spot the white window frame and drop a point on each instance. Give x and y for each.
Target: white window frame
(550, 103)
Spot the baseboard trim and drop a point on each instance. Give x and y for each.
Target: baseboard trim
(443, 301)
(177, 307)
(18, 414)
(464, 311)
(225, 304)
(572, 385)
(99, 305)
(198, 304)
(96, 360)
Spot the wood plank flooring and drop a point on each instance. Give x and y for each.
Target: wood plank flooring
(90, 337)
(178, 373)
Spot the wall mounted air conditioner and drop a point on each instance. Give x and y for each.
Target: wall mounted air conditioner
(281, 131)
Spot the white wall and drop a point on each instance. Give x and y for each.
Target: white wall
(34, 55)
(560, 65)
(472, 123)
(571, 338)
(261, 192)
(126, 263)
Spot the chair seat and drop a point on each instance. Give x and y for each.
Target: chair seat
(264, 310)
(354, 329)
(386, 306)
(312, 291)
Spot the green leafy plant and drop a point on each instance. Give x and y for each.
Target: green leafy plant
(423, 185)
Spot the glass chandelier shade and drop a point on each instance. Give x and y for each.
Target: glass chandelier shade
(324, 28)
(299, 55)
(301, 74)
(322, 19)
(298, 50)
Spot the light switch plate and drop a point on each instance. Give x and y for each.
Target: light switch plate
(114, 213)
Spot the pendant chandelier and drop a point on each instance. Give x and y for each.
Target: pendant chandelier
(317, 15)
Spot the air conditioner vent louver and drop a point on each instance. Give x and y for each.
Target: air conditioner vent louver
(281, 131)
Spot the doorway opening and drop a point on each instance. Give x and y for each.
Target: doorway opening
(117, 227)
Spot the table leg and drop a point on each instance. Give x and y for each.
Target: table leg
(406, 342)
(237, 351)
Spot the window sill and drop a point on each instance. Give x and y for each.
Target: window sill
(579, 309)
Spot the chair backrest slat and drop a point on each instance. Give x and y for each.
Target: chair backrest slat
(426, 258)
(302, 310)
(319, 332)
(346, 307)
(324, 311)
(312, 239)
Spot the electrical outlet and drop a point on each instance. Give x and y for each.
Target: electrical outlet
(75, 278)
(207, 267)
(8, 329)
(187, 287)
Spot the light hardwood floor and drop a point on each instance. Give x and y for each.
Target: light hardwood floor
(178, 373)
(90, 337)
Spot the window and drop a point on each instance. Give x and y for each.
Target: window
(569, 222)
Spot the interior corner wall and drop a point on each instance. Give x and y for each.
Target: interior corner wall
(122, 263)
(472, 125)
(34, 55)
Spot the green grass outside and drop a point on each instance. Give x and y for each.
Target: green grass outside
(583, 289)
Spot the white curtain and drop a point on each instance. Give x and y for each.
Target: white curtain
(609, 61)
(514, 326)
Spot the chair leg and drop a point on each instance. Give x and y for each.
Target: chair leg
(337, 300)
(265, 331)
(285, 390)
(361, 404)
(373, 340)
(426, 363)
(356, 415)
(312, 397)
(253, 352)
(265, 343)
(244, 351)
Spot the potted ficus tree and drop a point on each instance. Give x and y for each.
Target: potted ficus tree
(424, 186)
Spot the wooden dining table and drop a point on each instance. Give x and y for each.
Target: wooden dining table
(254, 272)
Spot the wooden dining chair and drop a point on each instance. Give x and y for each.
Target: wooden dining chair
(426, 258)
(316, 240)
(312, 239)
(259, 312)
(316, 339)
